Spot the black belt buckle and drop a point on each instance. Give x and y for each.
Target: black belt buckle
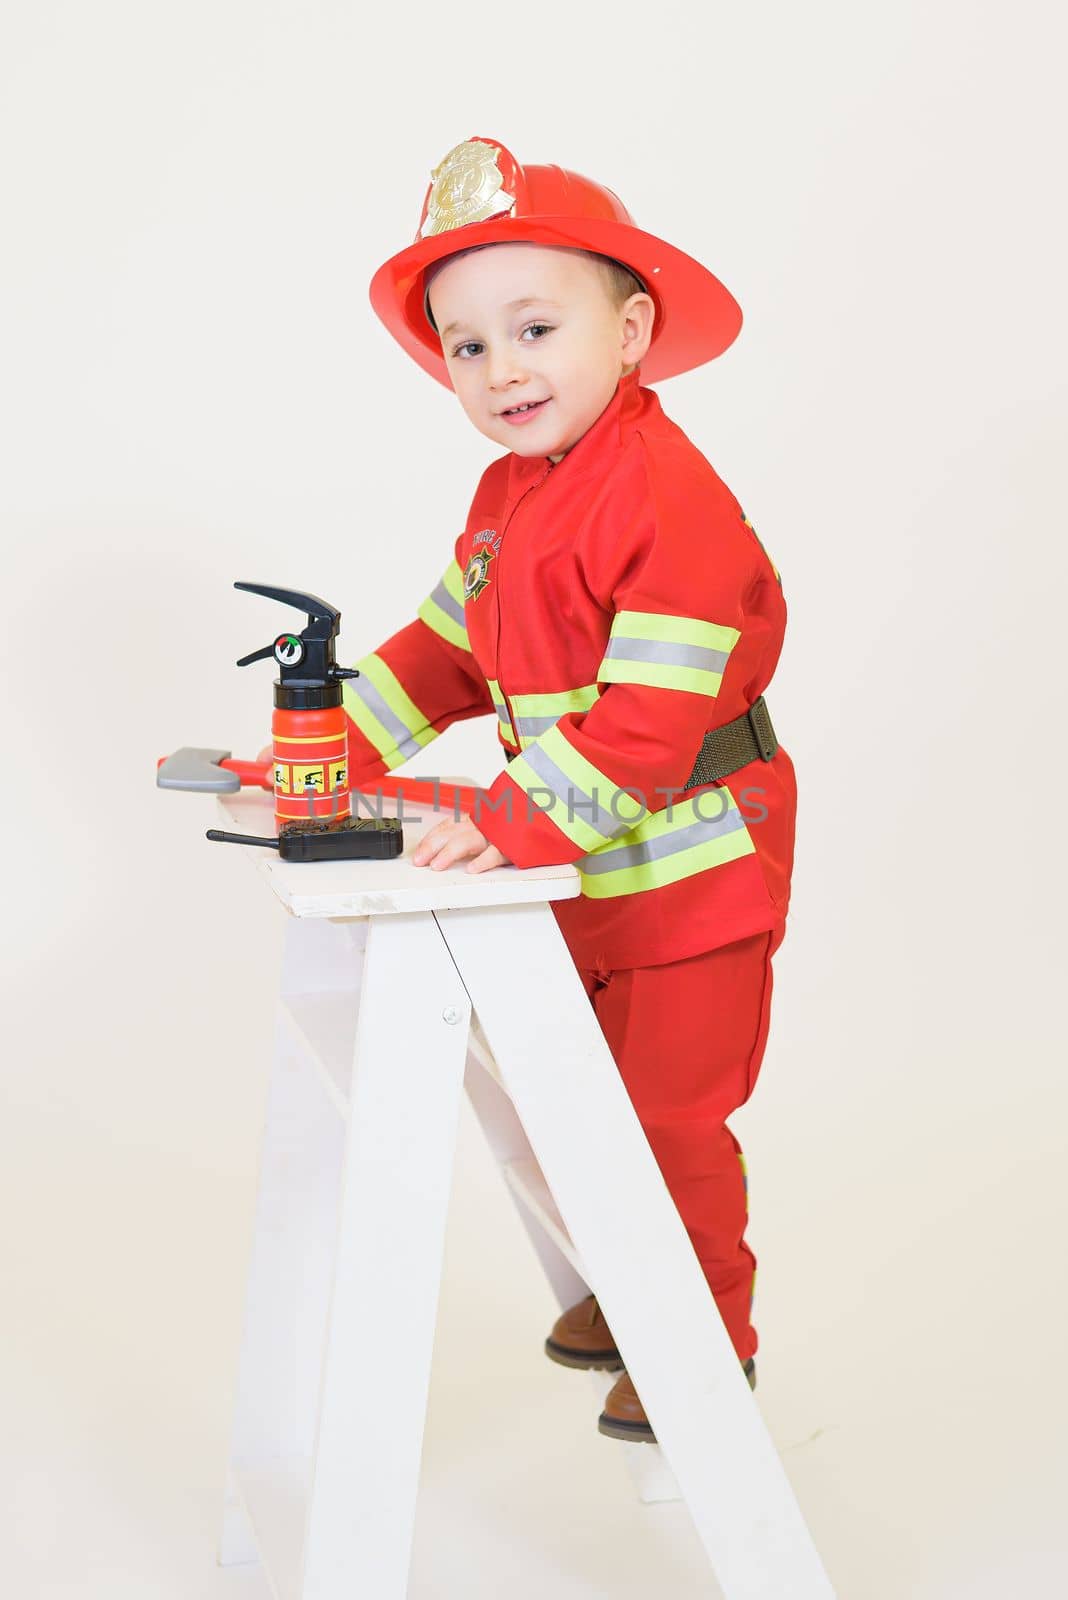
(763, 732)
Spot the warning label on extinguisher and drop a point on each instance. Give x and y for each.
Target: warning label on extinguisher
(298, 779)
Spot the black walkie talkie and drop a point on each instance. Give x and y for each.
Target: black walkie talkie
(344, 839)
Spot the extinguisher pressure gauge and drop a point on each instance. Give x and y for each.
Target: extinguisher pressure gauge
(288, 650)
(309, 678)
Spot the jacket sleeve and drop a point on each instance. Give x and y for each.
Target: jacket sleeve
(412, 687)
(679, 570)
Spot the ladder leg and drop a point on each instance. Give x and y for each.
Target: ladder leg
(291, 1255)
(504, 1134)
(510, 1145)
(410, 1048)
(562, 1080)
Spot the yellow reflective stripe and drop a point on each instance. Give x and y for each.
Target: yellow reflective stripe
(535, 713)
(702, 833)
(584, 804)
(443, 610)
(555, 705)
(384, 712)
(500, 705)
(667, 652)
(679, 630)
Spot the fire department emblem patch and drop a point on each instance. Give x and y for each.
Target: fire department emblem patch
(476, 573)
(466, 186)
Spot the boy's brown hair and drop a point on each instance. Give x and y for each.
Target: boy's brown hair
(619, 281)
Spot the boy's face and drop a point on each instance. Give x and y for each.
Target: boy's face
(566, 349)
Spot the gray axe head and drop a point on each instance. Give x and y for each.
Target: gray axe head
(193, 768)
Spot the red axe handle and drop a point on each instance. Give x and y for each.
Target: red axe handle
(446, 796)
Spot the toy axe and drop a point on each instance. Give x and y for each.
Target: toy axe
(214, 772)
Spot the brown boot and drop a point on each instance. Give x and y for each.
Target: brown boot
(582, 1338)
(624, 1416)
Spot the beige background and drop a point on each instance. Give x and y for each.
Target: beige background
(195, 390)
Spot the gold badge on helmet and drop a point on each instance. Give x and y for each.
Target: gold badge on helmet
(466, 187)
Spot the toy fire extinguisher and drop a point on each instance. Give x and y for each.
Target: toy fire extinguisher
(309, 726)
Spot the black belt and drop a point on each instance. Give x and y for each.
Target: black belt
(723, 750)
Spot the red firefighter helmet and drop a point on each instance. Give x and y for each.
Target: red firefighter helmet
(479, 194)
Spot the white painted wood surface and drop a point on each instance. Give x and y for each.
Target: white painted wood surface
(375, 1034)
(408, 1064)
(632, 1248)
(376, 888)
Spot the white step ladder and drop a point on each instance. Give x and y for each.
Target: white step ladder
(399, 985)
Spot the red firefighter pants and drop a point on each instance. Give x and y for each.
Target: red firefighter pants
(688, 1038)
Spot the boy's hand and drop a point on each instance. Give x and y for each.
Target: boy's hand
(449, 842)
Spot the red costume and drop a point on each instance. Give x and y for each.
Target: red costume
(609, 609)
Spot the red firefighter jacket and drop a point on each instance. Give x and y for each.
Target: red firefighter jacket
(609, 609)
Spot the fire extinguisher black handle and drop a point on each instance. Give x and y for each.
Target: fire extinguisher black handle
(309, 678)
(258, 655)
(317, 610)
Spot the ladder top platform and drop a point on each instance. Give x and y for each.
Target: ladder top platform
(376, 888)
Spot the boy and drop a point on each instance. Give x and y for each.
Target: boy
(611, 603)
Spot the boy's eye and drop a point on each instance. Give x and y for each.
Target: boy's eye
(474, 344)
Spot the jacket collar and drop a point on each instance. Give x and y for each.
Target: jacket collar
(602, 439)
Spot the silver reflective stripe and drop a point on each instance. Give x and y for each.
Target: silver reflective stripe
(530, 727)
(669, 655)
(668, 844)
(500, 705)
(595, 814)
(556, 702)
(443, 610)
(404, 737)
(535, 714)
(452, 608)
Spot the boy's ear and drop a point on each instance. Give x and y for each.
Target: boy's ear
(639, 315)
